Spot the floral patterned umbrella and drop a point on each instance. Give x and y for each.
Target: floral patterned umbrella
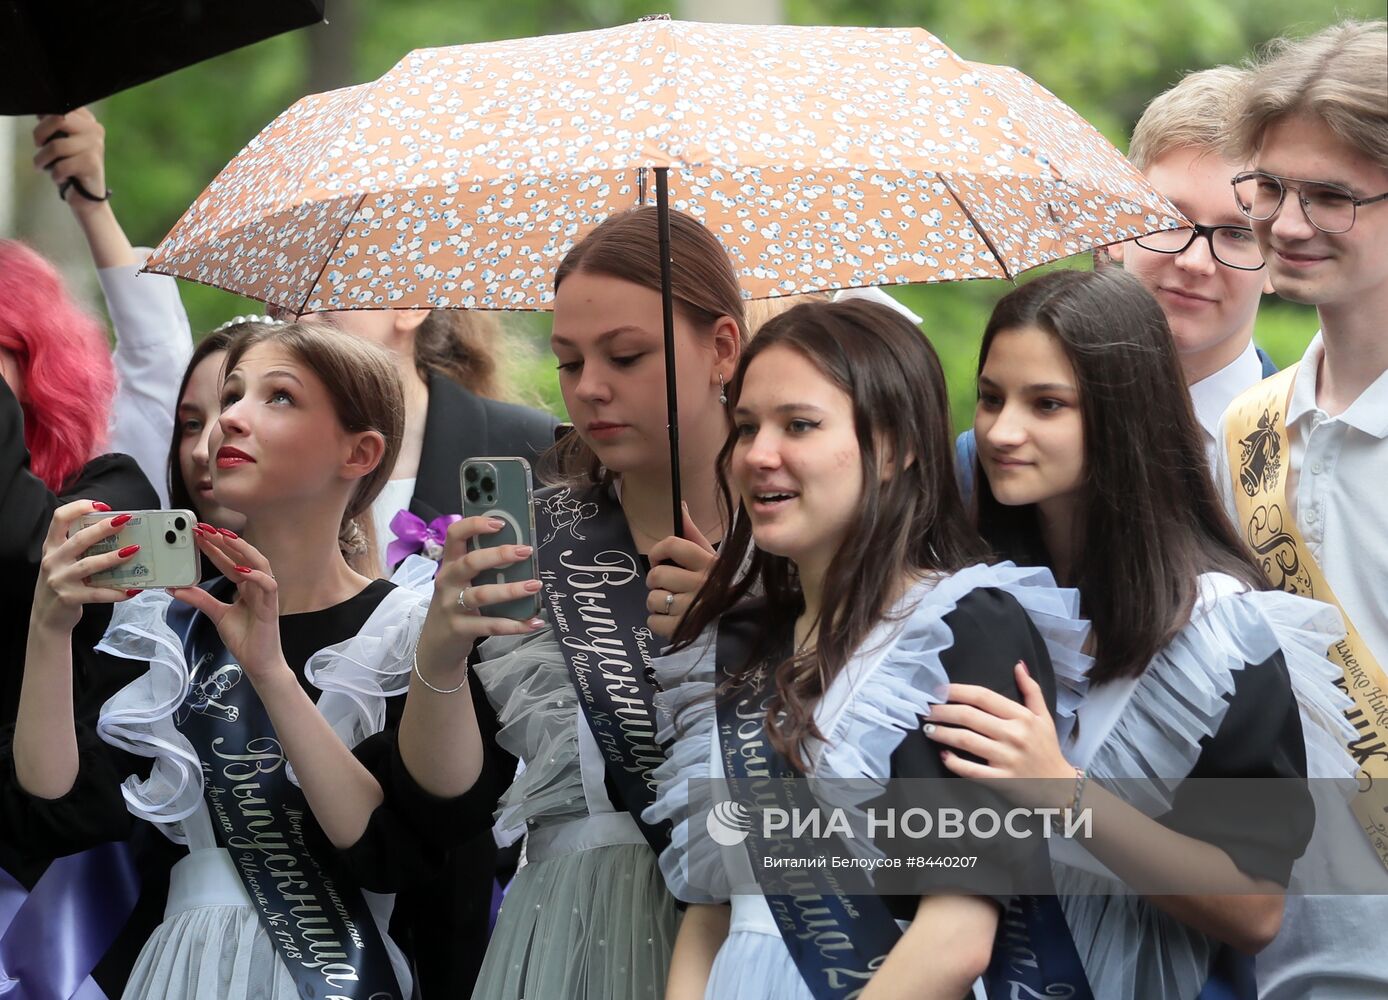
(821, 157)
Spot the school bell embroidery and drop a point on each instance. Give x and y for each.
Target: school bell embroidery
(1260, 459)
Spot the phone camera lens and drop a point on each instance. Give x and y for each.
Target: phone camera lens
(472, 494)
(170, 537)
(489, 484)
(470, 473)
(180, 523)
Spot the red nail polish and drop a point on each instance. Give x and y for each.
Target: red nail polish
(120, 519)
(204, 526)
(228, 532)
(98, 505)
(129, 550)
(131, 593)
(243, 569)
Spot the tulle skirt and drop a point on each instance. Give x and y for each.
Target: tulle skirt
(592, 925)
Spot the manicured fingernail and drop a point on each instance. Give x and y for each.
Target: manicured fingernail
(120, 519)
(204, 526)
(128, 551)
(523, 550)
(228, 532)
(98, 505)
(928, 729)
(536, 623)
(1024, 668)
(532, 586)
(495, 523)
(243, 569)
(131, 593)
(944, 754)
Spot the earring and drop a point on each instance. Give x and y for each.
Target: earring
(722, 390)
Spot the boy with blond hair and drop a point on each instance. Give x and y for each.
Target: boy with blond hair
(1304, 454)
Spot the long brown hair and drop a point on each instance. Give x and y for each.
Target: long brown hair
(913, 522)
(627, 246)
(1149, 520)
(366, 395)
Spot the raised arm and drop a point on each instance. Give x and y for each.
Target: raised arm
(45, 737)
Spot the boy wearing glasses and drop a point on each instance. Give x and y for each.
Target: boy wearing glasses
(1208, 280)
(1304, 462)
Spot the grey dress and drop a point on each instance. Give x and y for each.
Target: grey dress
(588, 916)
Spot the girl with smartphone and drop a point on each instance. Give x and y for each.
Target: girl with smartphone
(588, 916)
(1092, 464)
(263, 735)
(851, 590)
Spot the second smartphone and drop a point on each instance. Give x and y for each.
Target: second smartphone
(502, 488)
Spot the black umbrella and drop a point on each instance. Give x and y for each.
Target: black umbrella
(56, 55)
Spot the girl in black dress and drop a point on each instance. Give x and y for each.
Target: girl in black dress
(268, 712)
(1092, 464)
(850, 592)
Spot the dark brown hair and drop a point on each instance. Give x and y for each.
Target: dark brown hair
(217, 340)
(913, 522)
(366, 395)
(627, 246)
(1149, 520)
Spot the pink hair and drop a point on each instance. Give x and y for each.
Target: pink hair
(69, 378)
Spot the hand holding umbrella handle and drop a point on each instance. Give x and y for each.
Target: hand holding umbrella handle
(72, 183)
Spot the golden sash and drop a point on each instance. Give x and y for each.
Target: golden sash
(1259, 449)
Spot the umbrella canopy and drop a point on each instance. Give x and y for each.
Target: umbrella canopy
(56, 55)
(821, 157)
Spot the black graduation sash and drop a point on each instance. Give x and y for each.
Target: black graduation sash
(595, 591)
(836, 940)
(314, 914)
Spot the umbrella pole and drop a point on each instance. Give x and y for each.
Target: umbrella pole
(667, 304)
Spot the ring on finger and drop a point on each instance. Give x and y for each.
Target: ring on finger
(463, 601)
(669, 603)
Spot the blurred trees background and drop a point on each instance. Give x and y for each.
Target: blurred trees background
(1107, 58)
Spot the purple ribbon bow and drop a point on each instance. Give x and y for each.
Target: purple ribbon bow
(413, 535)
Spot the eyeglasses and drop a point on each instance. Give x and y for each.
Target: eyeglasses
(1331, 208)
(1232, 246)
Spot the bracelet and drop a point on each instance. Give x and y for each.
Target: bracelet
(73, 184)
(1080, 779)
(414, 659)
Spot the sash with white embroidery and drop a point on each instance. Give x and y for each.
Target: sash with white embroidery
(310, 909)
(595, 593)
(1259, 448)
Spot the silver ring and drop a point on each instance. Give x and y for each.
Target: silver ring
(462, 600)
(669, 602)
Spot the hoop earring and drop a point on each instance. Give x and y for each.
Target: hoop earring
(722, 390)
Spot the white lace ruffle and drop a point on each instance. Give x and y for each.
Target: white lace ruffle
(1154, 744)
(356, 676)
(894, 683)
(1180, 698)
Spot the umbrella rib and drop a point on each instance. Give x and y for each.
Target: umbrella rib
(327, 259)
(977, 228)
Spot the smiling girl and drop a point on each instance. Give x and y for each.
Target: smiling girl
(1092, 464)
(262, 735)
(850, 592)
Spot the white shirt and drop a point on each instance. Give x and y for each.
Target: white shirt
(1213, 394)
(1338, 493)
(394, 497)
(153, 345)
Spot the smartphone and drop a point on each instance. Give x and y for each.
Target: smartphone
(502, 487)
(167, 556)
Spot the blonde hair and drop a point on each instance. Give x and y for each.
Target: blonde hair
(761, 311)
(1339, 75)
(1191, 115)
